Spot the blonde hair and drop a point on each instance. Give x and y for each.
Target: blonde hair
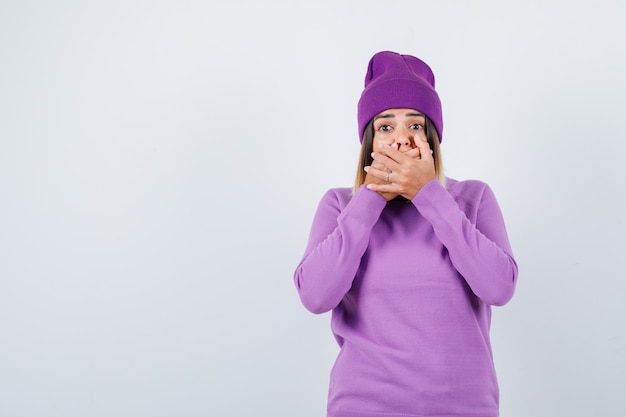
(365, 156)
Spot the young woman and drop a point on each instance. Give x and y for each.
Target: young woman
(409, 262)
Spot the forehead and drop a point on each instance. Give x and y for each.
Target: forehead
(399, 112)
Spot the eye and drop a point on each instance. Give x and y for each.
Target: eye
(417, 126)
(384, 128)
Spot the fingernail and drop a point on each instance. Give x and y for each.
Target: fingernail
(366, 169)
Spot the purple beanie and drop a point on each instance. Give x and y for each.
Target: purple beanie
(398, 81)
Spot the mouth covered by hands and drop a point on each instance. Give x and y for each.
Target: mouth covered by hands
(393, 172)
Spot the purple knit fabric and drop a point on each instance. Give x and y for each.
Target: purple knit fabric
(398, 81)
(410, 285)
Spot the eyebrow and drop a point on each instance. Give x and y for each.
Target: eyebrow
(390, 116)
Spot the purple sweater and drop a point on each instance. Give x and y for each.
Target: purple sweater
(410, 284)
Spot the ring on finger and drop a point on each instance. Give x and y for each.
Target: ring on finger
(387, 176)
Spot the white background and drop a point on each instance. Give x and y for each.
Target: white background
(161, 162)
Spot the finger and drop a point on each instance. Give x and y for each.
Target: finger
(381, 174)
(424, 148)
(389, 156)
(400, 156)
(382, 161)
(389, 150)
(382, 187)
(413, 153)
(378, 165)
(370, 179)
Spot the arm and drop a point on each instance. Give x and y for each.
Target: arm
(338, 240)
(480, 252)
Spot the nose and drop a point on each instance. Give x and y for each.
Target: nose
(404, 141)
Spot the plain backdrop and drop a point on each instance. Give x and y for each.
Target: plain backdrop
(161, 162)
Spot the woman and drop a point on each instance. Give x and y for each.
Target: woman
(409, 262)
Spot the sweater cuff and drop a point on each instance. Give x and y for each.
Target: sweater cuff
(365, 206)
(432, 198)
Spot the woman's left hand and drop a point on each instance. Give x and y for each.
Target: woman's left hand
(404, 173)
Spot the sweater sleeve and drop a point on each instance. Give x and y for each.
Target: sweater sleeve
(479, 251)
(338, 240)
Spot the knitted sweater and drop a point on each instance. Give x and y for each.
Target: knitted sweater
(410, 285)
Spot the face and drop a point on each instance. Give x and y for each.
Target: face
(401, 126)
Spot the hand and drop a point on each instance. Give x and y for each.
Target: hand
(371, 179)
(410, 171)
